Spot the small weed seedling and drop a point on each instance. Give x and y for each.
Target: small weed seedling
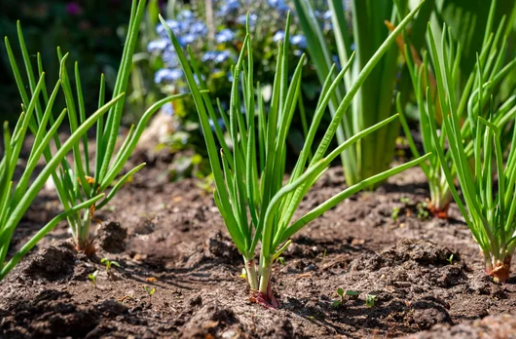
(353, 295)
(405, 200)
(149, 291)
(395, 213)
(93, 277)
(450, 259)
(207, 183)
(109, 263)
(422, 211)
(349, 294)
(371, 300)
(337, 303)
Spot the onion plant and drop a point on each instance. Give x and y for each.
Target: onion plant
(18, 191)
(492, 55)
(83, 178)
(373, 102)
(489, 206)
(440, 195)
(256, 204)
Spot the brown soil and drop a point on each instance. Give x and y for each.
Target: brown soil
(176, 243)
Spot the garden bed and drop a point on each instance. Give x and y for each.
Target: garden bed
(406, 263)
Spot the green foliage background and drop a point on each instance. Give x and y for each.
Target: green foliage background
(94, 36)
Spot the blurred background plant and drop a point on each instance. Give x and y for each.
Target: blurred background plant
(92, 31)
(214, 30)
(362, 31)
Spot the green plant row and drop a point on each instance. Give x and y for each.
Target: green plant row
(462, 129)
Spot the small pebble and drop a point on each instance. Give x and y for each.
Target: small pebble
(229, 334)
(309, 268)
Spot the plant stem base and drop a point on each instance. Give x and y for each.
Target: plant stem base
(266, 300)
(86, 247)
(439, 212)
(500, 271)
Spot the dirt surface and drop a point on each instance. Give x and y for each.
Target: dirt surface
(426, 275)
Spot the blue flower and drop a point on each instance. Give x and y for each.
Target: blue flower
(197, 78)
(209, 56)
(336, 61)
(188, 39)
(218, 57)
(298, 40)
(157, 45)
(280, 5)
(242, 20)
(198, 28)
(229, 7)
(170, 57)
(185, 15)
(167, 75)
(174, 25)
(222, 56)
(280, 35)
(226, 35)
(184, 27)
(220, 122)
(167, 109)
(224, 106)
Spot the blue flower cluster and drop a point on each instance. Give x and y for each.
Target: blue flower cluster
(279, 5)
(226, 35)
(188, 30)
(228, 7)
(296, 40)
(230, 16)
(242, 19)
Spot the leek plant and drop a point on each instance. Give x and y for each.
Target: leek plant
(495, 72)
(18, 192)
(491, 206)
(255, 203)
(373, 102)
(83, 178)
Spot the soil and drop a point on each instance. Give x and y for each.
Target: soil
(426, 275)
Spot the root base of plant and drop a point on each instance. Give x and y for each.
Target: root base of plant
(501, 271)
(267, 301)
(441, 213)
(86, 247)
